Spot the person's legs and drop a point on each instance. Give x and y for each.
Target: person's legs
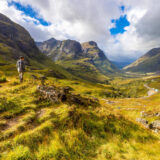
(21, 76)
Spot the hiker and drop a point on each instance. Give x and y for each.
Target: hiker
(21, 68)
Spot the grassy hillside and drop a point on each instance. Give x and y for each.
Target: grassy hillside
(33, 128)
(150, 62)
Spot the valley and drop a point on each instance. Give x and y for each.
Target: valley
(36, 128)
(74, 103)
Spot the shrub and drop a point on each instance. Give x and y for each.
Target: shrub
(3, 79)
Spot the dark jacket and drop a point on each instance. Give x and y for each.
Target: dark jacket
(20, 66)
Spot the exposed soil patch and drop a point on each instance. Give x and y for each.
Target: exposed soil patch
(40, 113)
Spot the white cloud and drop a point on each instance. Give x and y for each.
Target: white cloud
(91, 20)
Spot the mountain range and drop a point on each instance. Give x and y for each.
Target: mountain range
(67, 57)
(15, 41)
(150, 62)
(84, 60)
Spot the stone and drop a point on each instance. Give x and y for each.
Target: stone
(144, 122)
(155, 125)
(157, 114)
(55, 94)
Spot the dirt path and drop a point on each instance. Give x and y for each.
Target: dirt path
(151, 91)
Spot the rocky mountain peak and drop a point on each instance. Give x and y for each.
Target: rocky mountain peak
(92, 43)
(71, 46)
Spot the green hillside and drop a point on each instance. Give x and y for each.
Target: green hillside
(33, 127)
(70, 115)
(150, 62)
(15, 41)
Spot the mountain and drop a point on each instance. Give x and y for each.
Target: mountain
(15, 41)
(84, 60)
(60, 50)
(150, 62)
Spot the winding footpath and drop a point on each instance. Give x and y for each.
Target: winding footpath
(151, 91)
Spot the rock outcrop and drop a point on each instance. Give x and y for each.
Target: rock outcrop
(154, 125)
(55, 95)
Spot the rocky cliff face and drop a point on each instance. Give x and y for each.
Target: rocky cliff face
(91, 50)
(85, 53)
(150, 62)
(60, 50)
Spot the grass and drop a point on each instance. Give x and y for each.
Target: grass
(3, 79)
(34, 129)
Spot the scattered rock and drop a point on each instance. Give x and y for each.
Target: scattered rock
(157, 114)
(155, 125)
(144, 122)
(56, 95)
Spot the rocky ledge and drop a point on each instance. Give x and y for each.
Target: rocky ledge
(154, 125)
(59, 94)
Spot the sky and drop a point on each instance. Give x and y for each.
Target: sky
(124, 29)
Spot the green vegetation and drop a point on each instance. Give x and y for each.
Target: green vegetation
(99, 126)
(32, 128)
(3, 79)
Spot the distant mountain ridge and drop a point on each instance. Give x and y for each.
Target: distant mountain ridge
(69, 53)
(150, 62)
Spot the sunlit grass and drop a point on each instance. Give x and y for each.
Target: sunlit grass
(41, 130)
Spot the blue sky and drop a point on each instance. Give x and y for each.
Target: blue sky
(29, 11)
(123, 29)
(120, 23)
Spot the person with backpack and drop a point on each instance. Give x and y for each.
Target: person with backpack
(21, 68)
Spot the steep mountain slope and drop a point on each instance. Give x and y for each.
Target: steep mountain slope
(16, 41)
(150, 62)
(83, 60)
